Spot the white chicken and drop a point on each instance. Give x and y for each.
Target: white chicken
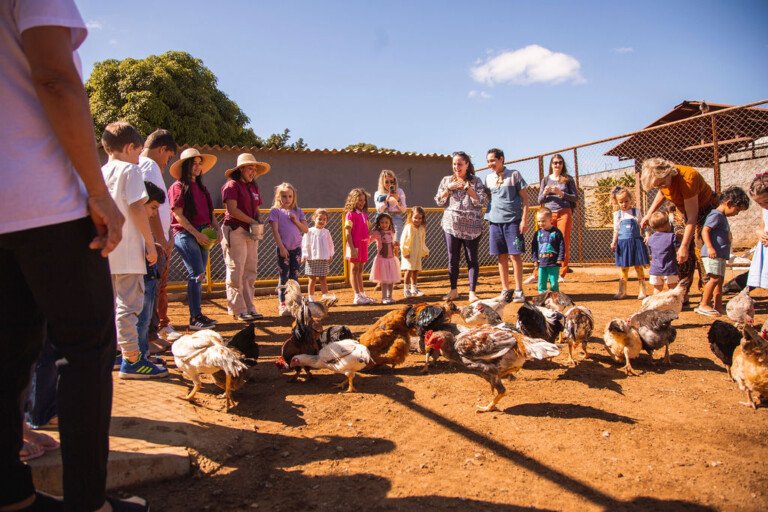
(741, 308)
(669, 300)
(346, 357)
(204, 352)
(473, 313)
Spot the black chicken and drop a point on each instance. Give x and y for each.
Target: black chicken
(539, 322)
(305, 334)
(723, 340)
(335, 333)
(244, 344)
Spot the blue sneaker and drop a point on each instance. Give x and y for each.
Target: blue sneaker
(141, 369)
(118, 361)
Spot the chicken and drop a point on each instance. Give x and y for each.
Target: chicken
(294, 301)
(204, 352)
(389, 338)
(471, 312)
(750, 366)
(655, 330)
(335, 333)
(305, 334)
(431, 353)
(479, 313)
(539, 322)
(741, 308)
(490, 352)
(553, 300)
(345, 356)
(622, 342)
(578, 329)
(671, 300)
(723, 340)
(244, 345)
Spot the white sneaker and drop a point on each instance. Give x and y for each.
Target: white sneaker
(407, 293)
(417, 293)
(387, 301)
(369, 300)
(518, 296)
(530, 279)
(168, 333)
(561, 279)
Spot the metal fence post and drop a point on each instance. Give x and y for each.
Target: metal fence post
(715, 155)
(580, 224)
(344, 248)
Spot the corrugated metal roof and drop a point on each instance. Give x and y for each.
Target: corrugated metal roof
(326, 151)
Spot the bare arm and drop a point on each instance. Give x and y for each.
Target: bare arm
(691, 213)
(706, 236)
(139, 217)
(237, 213)
(524, 200)
(61, 93)
(651, 209)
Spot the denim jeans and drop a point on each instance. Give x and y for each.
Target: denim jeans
(41, 401)
(195, 258)
(289, 269)
(150, 285)
(67, 293)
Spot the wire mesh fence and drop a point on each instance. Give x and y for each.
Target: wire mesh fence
(726, 146)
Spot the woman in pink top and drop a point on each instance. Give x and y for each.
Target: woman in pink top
(192, 212)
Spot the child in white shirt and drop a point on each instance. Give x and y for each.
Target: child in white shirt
(316, 254)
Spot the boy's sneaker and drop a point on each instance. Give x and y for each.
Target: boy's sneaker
(245, 317)
(132, 504)
(168, 333)
(118, 361)
(141, 369)
(518, 296)
(417, 293)
(530, 279)
(209, 319)
(199, 323)
(369, 300)
(255, 316)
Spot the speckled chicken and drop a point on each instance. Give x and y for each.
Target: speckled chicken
(553, 300)
(655, 330)
(723, 339)
(294, 301)
(671, 300)
(491, 352)
(472, 313)
(540, 322)
(741, 308)
(623, 343)
(305, 334)
(750, 366)
(579, 324)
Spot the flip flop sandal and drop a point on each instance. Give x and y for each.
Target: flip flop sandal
(707, 312)
(30, 451)
(44, 441)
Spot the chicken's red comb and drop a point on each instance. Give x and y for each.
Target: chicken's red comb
(280, 363)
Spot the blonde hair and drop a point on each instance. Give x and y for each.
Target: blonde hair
(282, 188)
(620, 191)
(413, 211)
(386, 173)
(659, 220)
(656, 170)
(317, 213)
(353, 196)
(544, 212)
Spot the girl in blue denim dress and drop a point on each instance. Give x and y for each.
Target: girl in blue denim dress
(627, 245)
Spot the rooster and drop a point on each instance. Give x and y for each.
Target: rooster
(345, 356)
(622, 342)
(294, 301)
(305, 334)
(432, 353)
(244, 345)
(553, 300)
(578, 329)
(472, 313)
(490, 352)
(655, 330)
(539, 322)
(204, 352)
(671, 300)
(335, 333)
(750, 366)
(723, 340)
(741, 308)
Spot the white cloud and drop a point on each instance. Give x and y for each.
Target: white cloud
(94, 25)
(532, 64)
(479, 95)
(624, 49)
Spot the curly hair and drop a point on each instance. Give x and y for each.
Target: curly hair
(759, 185)
(734, 196)
(352, 198)
(377, 223)
(618, 191)
(654, 171)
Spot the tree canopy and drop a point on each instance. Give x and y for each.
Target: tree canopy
(175, 91)
(366, 146)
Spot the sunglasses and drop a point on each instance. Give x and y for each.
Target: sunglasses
(390, 182)
(557, 162)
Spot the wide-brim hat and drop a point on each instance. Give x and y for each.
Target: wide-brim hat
(244, 159)
(208, 161)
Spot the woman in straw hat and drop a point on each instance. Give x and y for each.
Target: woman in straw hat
(192, 213)
(241, 233)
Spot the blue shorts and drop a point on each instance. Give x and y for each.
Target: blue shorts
(506, 239)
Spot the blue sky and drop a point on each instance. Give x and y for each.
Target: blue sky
(439, 76)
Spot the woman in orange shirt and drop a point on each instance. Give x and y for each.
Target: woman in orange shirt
(686, 188)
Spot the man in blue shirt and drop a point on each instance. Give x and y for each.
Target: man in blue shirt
(507, 213)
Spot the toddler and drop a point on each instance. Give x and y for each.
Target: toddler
(288, 223)
(413, 248)
(386, 268)
(358, 237)
(627, 244)
(548, 251)
(316, 254)
(716, 234)
(663, 244)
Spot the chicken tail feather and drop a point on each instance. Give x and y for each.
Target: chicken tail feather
(540, 349)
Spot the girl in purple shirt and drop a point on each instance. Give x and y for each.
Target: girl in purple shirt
(288, 225)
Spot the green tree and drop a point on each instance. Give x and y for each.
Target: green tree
(602, 212)
(366, 146)
(280, 141)
(174, 91)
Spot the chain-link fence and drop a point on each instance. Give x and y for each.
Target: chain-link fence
(727, 145)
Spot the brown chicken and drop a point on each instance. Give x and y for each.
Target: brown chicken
(388, 339)
(750, 366)
(305, 336)
(623, 343)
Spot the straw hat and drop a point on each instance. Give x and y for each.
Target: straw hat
(244, 159)
(208, 162)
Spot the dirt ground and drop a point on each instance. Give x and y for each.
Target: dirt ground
(583, 438)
